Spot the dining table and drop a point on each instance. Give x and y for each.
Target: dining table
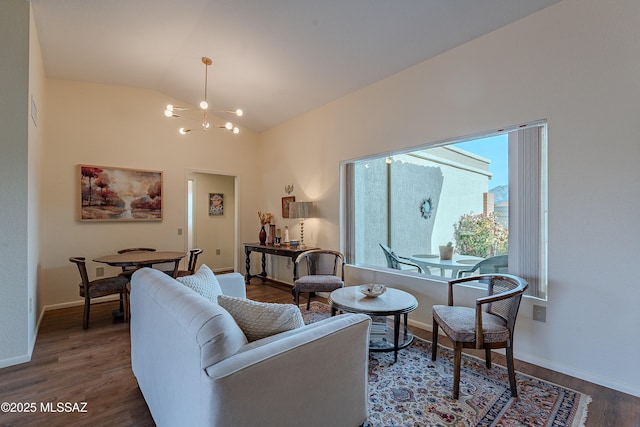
(143, 259)
(455, 264)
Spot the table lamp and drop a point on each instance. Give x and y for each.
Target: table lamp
(301, 210)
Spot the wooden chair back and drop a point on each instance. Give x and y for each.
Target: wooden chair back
(322, 262)
(193, 260)
(124, 251)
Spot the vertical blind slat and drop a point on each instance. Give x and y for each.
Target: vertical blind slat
(527, 209)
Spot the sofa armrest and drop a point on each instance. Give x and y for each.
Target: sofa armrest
(232, 284)
(317, 377)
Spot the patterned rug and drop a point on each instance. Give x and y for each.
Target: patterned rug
(415, 391)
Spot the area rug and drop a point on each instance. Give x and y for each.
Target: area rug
(414, 391)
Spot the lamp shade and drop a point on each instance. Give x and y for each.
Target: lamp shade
(301, 210)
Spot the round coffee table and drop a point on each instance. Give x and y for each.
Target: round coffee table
(393, 302)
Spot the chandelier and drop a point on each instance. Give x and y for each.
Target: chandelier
(172, 110)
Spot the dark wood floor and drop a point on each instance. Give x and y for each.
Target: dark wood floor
(74, 366)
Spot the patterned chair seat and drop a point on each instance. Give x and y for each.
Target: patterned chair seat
(98, 288)
(494, 328)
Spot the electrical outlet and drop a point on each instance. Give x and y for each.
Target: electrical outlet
(540, 313)
(179, 231)
(99, 271)
(217, 251)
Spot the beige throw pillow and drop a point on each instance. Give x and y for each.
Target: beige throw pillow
(260, 319)
(203, 282)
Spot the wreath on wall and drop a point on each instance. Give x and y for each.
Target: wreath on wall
(426, 208)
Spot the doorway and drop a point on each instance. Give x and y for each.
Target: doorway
(211, 219)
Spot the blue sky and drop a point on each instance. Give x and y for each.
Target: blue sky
(494, 148)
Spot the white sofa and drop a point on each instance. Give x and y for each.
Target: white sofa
(311, 376)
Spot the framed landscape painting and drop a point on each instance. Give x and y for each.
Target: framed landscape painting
(119, 194)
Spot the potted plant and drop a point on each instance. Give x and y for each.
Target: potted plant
(446, 252)
(480, 235)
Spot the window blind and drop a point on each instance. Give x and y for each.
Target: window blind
(527, 207)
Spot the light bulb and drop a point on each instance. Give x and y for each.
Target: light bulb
(228, 126)
(239, 112)
(236, 130)
(169, 107)
(168, 113)
(183, 131)
(205, 125)
(204, 105)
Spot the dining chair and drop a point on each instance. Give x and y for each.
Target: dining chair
(191, 267)
(488, 325)
(124, 251)
(99, 288)
(325, 273)
(127, 271)
(498, 264)
(396, 261)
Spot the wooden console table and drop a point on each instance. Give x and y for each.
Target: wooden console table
(283, 250)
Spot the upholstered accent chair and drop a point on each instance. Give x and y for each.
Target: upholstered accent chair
(325, 273)
(396, 261)
(98, 288)
(498, 264)
(488, 325)
(191, 267)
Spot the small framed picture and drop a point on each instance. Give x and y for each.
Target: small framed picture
(285, 205)
(216, 204)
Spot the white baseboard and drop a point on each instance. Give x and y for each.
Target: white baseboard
(585, 376)
(79, 302)
(15, 360)
(219, 269)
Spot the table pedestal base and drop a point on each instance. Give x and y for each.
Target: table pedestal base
(383, 338)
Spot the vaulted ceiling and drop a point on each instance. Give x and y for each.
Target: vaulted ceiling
(274, 58)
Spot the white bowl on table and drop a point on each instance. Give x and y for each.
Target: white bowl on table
(373, 290)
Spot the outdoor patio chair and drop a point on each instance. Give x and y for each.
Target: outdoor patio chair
(396, 261)
(498, 264)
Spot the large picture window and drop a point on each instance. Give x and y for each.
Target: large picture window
(486, 197)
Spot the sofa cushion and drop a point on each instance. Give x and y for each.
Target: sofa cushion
(260, 319)
(203, 282)
(215, 330)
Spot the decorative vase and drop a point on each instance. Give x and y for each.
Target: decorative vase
(263, 235)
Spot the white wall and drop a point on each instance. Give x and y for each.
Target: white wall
(15, 333)
(124, 127)
(36, 101)
(575, 64)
